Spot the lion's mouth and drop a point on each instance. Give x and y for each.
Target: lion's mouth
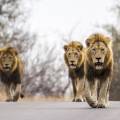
(6, 68)
(98, 65)
(72, 66)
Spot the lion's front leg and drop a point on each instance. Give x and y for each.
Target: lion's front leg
(17, 92)
(107, 98)
(80, 97)
(94, 89)
(91, 93)
(13, 92)
(8, 94)
(103, 94)
(74, 89)
(107, 95)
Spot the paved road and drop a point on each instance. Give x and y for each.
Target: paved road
(57, 111)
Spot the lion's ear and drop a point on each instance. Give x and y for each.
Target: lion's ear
(80, 47)
(1, 51)
(13, 50)
(108, 41)
(87, 42)
(65, 47)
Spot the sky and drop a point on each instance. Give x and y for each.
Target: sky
(54, 18)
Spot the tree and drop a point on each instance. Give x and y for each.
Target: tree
(12, 19)
(11, 26)
(43, 75)
(115, 33)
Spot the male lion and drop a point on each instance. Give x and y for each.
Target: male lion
(11, 72)
(98, 69)
(74, 59)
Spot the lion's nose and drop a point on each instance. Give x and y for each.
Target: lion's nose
(98, 58)
(6, 64)
(72, 61)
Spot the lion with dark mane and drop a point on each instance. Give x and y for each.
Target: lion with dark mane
(98, 69)
(11, 72)
(74, 59)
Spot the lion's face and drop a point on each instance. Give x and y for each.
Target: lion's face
(7, 60)
(98, 52)
(73, 55)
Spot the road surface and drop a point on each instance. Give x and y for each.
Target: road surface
(57, 111)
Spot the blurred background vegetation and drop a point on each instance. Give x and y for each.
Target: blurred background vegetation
(115, 33)
(42, 75)
(45, 73)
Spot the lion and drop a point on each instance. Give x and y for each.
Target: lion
(98, 70)
(11, 72)
(74, 59)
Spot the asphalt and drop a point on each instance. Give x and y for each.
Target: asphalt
(57, 111)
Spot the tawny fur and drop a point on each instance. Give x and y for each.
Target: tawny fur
(76, 74)
(98, 81)
(12, 78)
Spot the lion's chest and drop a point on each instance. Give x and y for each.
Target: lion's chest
(77, 73)
(97, 74)
(9, 78)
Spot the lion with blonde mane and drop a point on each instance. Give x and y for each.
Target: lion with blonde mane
(98, 70)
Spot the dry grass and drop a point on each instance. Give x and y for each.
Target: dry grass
(49, 98)
(36, 98)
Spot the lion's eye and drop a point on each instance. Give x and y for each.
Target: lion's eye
(93, 49)
(69, 54)
(102, 49)
(3, 57)
(76, 55)
(10, 57)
